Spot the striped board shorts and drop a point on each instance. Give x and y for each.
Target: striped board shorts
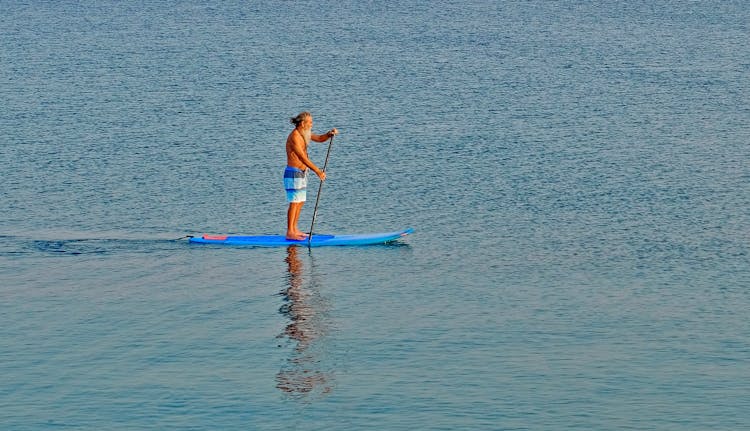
(295, 183)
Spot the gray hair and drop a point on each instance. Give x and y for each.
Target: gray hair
(299, 118)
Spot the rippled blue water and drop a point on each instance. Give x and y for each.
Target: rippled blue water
(577, 174)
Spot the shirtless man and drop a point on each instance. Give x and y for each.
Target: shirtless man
(295, 174)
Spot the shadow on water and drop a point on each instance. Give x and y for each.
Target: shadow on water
(307, 312)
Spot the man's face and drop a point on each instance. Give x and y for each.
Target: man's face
(307, 123)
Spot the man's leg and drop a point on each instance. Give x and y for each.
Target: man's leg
(297, 213)
(290, 221)
(293, 213)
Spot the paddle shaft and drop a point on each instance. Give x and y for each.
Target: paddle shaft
(320, 187)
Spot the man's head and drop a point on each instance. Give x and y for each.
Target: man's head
(303, 120)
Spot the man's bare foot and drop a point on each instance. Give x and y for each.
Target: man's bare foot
(296, 236)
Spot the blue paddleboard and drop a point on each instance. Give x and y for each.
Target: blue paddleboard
(318, 240)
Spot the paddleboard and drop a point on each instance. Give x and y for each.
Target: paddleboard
(318, 240)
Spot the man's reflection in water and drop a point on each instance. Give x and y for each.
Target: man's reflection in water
(306, 311)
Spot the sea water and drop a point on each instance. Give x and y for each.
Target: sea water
(577, 173)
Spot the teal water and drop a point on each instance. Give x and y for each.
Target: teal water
(577, 174)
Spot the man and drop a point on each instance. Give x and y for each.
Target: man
(295, 174)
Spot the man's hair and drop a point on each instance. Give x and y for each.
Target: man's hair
(299, 118)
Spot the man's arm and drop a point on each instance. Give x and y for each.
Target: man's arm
(298, 148)
(324, 137)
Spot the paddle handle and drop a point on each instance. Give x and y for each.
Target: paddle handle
(320, 188)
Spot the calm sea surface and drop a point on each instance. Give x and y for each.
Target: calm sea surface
(577, 173)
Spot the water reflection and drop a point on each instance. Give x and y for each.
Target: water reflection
(306, 310)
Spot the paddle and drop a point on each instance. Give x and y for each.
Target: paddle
(320, 187)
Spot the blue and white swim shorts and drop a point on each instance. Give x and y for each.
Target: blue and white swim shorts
(295, 183)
